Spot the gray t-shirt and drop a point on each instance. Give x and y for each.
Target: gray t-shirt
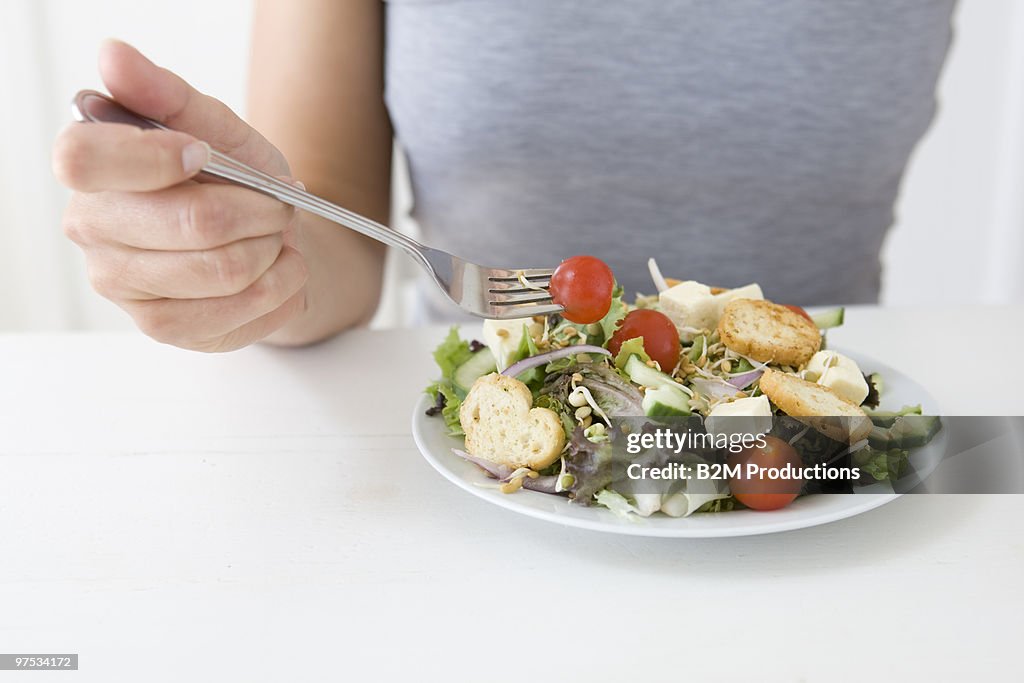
(736, 141)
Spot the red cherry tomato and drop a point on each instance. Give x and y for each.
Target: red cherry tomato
(583, 285)
(801, 311)
(760, 492)
(661, 338)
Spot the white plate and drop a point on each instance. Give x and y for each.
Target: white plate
(435, 444)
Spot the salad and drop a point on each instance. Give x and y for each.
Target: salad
(695, 399)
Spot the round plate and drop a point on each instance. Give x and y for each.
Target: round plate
(433, 441)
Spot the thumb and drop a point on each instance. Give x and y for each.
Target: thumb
(163, 96)
(115, 156)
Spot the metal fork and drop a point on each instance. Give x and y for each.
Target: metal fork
(486, 292)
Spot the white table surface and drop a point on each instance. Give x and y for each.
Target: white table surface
(265, 515)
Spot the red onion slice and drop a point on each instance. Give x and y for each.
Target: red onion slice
(746, 379)
(495, 470)
(503, 472)
(525, 364)
(716, 389)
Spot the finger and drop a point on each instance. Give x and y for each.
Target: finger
(127, 273)
(194, 321)
(182, 218)
(260, 328)
(163, 96)
(116, 156)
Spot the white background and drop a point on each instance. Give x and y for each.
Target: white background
(958, 237)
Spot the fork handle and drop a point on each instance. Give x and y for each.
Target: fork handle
(225, 167)
(92, 106)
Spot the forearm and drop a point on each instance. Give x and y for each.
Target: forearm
(317, 92)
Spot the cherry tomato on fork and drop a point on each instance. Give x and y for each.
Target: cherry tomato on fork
(661, 338)
(763, 492)
(583, 286)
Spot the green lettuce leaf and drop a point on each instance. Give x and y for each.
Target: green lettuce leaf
(560, 365)
(631, 347)
(533, 377)
(613, 394)
(882, 465)
(616, 313)
(616, 502)
(451, 353)
(452, 403)
(560, 408)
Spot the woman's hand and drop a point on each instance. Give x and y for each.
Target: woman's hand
(204, 266)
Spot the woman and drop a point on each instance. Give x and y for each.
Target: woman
(736, 141)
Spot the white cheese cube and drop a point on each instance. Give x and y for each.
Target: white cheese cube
(502, 337)
(689, 304)
(743, 416)
(838, 373)
(751, 291)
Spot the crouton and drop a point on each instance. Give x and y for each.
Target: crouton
(768, 332)
(501, 426)
(816, 406)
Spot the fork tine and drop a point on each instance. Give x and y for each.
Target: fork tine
(524, 310)
(539, 289)
(529, 297)
(522, 292)
(499, 275)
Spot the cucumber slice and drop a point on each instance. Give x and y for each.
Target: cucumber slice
(698, 348)
(905, 410)
(666, 401)
(914, 431)
(829, 319)
(886, 418)
(479, 364)
(905, 431)
(879, 438)
(643, 375)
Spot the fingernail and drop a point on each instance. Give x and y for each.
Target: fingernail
(194, 157)
(301, 185)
